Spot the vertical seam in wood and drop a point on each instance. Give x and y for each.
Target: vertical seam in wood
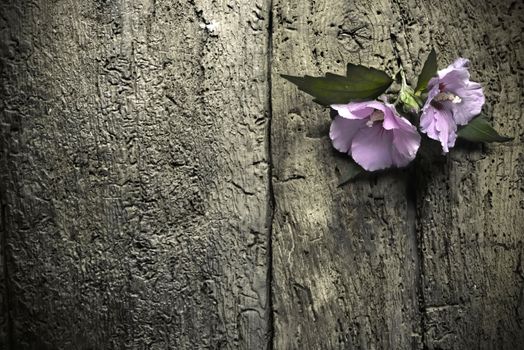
(416, 234)
(3, 230)
(419, 236)
(271, 196)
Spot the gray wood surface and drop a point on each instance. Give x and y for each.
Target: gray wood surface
(161, 186)
(345, 259)
(471, 205)
(135, 173)
(436, 263)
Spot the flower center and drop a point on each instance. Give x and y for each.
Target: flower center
(447, 96)
(376, 116)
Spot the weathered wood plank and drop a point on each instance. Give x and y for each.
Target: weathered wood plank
(4, 295)
(345, 259)
(134, 173)
(470, 205)
(134, 181)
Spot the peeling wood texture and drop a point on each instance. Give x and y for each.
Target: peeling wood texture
(161, 187)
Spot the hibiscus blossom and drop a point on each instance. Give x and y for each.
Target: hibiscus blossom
(452, 100)
(374, 135)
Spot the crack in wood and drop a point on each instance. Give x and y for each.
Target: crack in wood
(7, 291)
(270, 195)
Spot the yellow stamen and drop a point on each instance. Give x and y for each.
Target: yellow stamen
(447, 96)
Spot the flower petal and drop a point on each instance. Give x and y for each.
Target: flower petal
(357, 110)
(473, 99)
(406, 139)
(460, 63)
(371, 148)
(392, 120)
(433, 91)
(342, 132)
(454, 80)
(350, 111)
(439, 125)
(371, 104)
(406, 143)
(457, 71)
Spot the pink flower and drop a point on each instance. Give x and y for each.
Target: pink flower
(452, 100)
(374, 135)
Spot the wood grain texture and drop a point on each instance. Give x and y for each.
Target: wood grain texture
(4, 286)
(345, 259)
(470, 204)
(134, 173)
(351, 270)
(158, 191)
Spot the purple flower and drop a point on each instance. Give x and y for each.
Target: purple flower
(374, 135)
(452, 100)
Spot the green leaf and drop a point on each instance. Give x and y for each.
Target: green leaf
(361, 83)
(428, 71)
(368, 80)
(479, 130)
(349, 172)
(410, 101)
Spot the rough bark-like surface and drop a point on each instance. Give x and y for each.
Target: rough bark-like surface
(471, 204)
(134, 173)
(347, 270)
(345, 259)
(4, 295)
(134, 187)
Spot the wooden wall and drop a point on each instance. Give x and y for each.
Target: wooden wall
(162, 187)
